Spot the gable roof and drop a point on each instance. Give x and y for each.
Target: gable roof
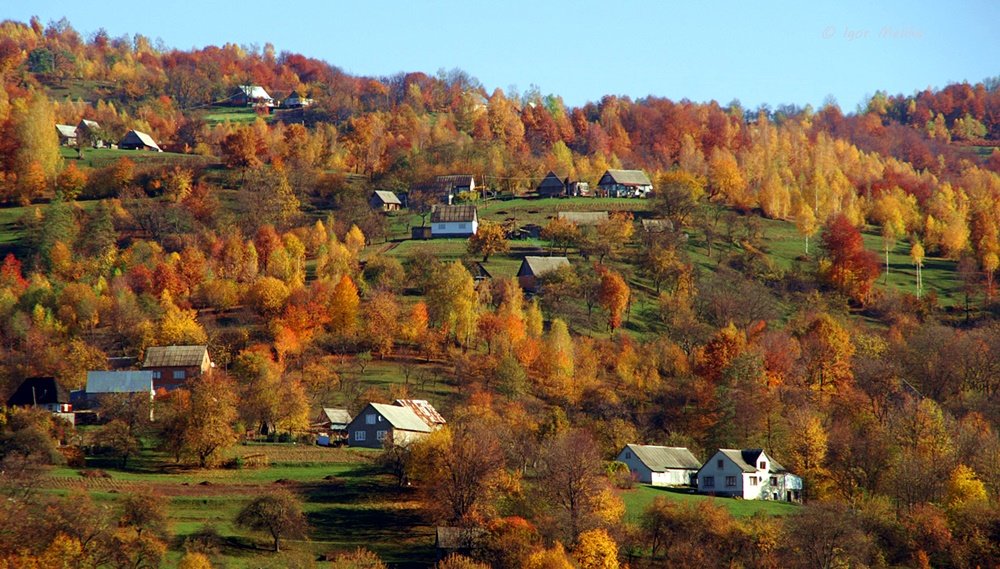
(402, 418)
(335, 416)
(452, 180)
(538, 266)
(627, 177)
(746, 459)
(39, 391)
(423, 409)
(551, 182)
(66, 131)
(175, 356)
(254, 92)
(584, 217)
(453, 213)
(388, 197)
(133, 381)
(84, 123)
(134, 136)
(659, 459)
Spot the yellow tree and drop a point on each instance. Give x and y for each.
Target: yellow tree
(179, 326)
(209, 429)
(490, 239)
(381, 316)
(805, 222)
(344, 307)
(596, 549)
(917, 256)
(452, 301)
(35, 138)
(558, 362)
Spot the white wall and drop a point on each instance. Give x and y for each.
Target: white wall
(729, 468)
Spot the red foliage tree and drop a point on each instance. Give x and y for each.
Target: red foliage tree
(852, 269)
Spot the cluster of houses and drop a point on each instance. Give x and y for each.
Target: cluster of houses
(749, 474)
(164, 367)
(89, 133)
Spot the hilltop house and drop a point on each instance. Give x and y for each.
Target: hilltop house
(749, 474)
(296, 101)
(135, 140)
(624, 184)
(454, 221)
(660, 466)
(377, 421)
(173, 366)
(249, 95)
(384, 200)
(42, 392)
(532, 268)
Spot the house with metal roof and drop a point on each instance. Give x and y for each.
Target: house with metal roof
(454, 221)
(533, 268)
(130, 381)
(659, 465)
(173, 366)
(67, 134)
(136, 140)
(749, 474)
(624, 184)
(378, 421)
(427, 413)
(384, 200)
(247, 95)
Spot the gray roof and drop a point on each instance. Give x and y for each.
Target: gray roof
(133, 381)
(175, 356)
(336, 416)
(84, 123)
(423, 409)
(456, 180)
(659, 459)
(627, 177)
(538, 266)
(453, 213)
(746, 459)
(402, 418)
(387, 197)
(133, 136)
(457, 538)
(584, 217)
(66, 131)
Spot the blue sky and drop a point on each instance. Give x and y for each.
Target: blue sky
(774, 53)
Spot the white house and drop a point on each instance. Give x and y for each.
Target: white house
(660, 466)
(749, 474)
(454, 221)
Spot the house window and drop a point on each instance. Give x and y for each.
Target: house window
(157, 374)
(440, 227)
(370, 419)
(774, 481)
(709, 482)
(718, 463)
(763, 465)
(359, 435)
(753, 481)
(628, 455)
(179, 374)
(461, 226)
(380, 435)
(730, 482)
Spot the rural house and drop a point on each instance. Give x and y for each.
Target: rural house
(583, 218)
(296, 101)
(660, 466)
(446, 188)
(173, 366)
(454, 221)
(331, 425)
(749, 474)
(551, 186)
(67, 134)
(135, 140)
(384, 200)
(42, 392)
(427, 413)
(249, 95)
(532, 268)
(377, 421)
(89, 132)
(624, 184)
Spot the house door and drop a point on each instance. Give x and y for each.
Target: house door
(789, 497)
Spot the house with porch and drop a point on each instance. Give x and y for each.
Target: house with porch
(749, 474)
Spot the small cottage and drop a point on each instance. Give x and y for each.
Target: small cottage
(67, 134)
(42, 392)
(423, 409)
(377, 421)
(135, 140)
(249, 95)
(331, 426)
(624, 184)
(296, 101)
(532, 268)
(551, 186)
(749, 474)
(660, 466)
(454, 221)
(384, 200)
(173, 366)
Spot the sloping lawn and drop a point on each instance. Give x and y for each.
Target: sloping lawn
(639, 498)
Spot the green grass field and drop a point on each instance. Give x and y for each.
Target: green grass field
(639, 498)
(100, 157)
(234, 115)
